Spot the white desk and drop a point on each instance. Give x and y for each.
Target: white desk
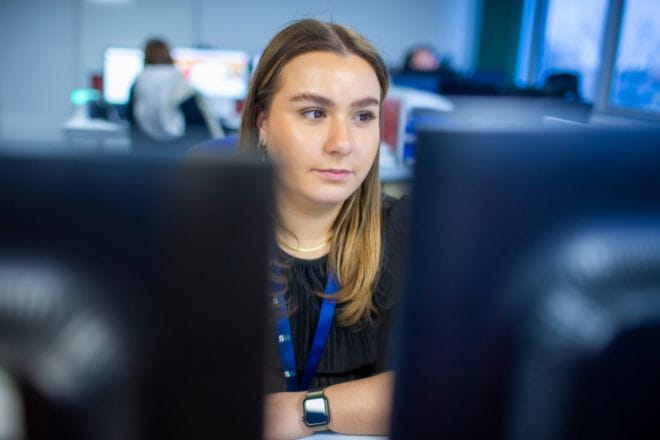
(98, 130)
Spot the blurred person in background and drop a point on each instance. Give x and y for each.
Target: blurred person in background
(421, 58)
(164, 108)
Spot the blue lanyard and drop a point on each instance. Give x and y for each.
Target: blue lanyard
(285, 342)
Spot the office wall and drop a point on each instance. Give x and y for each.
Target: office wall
(130, 23)
(50, 47)
(37, 55)
(458, 30)
(392, 25)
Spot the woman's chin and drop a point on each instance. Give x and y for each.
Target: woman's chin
(329, 198)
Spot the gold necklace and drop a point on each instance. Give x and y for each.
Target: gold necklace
(302, 249)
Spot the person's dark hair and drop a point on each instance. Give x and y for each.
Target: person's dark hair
(156, 51)
(355, 252)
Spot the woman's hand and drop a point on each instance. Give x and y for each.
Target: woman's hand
(283, 416)
(358, 407)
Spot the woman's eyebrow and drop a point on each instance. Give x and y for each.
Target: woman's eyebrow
(327, 102)
(313, 97)
(365, 102)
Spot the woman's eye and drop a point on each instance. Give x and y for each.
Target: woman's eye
(314, 114)
(365, 116)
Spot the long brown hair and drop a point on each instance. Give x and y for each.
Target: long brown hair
(355, 251)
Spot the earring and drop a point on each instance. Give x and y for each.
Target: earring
(262, 150)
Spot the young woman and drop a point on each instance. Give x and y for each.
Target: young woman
(314, 108)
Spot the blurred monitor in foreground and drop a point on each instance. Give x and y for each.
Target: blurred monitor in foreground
(215, 73)
(532, 308)
(123, 282)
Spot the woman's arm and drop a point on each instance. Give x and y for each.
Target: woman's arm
(356, 407)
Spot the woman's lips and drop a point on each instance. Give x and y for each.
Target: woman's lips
(333, 174)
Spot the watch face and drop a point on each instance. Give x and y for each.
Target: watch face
(316, 411)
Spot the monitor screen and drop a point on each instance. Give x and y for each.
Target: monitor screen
(532, 307)
(121, 65)
(215, 73)
(123, 281)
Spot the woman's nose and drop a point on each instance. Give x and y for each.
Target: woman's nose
(339, 139)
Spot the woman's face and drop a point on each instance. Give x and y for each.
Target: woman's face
(322, 126)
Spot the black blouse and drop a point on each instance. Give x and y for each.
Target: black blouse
(351, 352)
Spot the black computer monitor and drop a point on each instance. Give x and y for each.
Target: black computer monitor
(532, 307)
(132, 294)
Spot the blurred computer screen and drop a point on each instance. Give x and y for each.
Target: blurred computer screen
(215, 73)
(123, 280)
(532, 306)
(121, 65)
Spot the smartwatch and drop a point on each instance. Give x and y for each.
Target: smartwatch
(316, 411)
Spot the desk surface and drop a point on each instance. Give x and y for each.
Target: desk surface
(95, 125)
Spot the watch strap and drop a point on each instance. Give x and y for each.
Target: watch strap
(314, 394)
